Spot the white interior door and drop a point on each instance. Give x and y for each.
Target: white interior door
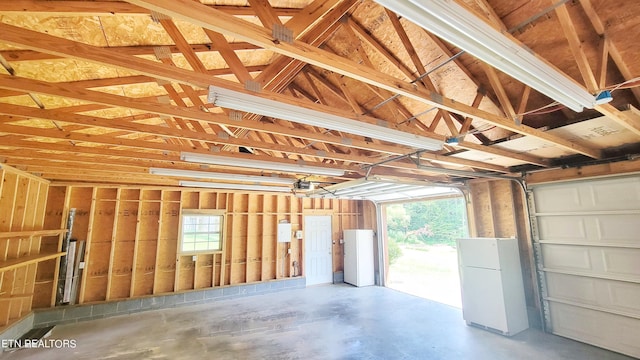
(317, 248)
(587, 233)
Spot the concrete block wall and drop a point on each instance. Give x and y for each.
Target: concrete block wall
(76, 313)
(18, 329)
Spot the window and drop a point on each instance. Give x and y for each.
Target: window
(201, 231)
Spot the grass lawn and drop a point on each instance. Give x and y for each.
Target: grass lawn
(428, 271)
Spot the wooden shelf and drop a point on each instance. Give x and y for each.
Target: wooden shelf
(27, 260)
(29, 233)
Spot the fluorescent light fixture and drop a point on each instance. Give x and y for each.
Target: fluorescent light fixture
(259, 164)
(221, 176)
(455, 24)
(227, 186)
(312, 115)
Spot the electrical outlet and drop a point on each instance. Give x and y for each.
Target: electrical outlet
(289, 251)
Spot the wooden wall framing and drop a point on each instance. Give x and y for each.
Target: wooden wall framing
(132, 238)
(22, 236)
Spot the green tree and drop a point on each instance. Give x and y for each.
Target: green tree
(439, 221)
(394, 251)
(397, 222)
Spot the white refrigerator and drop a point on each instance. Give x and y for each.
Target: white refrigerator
(491, 281)
(358, 257)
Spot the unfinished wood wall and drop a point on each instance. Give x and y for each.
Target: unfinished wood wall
(132, 238)
(496, 208)
(22, 212)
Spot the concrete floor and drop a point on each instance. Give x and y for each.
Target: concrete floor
(322, 322)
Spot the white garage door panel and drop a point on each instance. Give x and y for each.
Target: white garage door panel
(557, 198)
(595, 195)
(616, 296)
(564, 257)
(622, 229)
(622, 262)
(576, 323)
(588, 236)
(616, 263)
(607, 195)
(563, 229)
(609, 331)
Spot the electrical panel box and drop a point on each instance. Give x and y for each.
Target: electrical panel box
(284, 232)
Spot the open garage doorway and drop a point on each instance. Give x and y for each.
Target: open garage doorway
(421, 247)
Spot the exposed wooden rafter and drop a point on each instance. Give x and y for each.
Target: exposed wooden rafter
(229, 25)
(136, 99)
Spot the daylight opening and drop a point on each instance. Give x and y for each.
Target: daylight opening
(421, 243)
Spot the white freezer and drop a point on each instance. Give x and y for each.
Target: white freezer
(358, 257)
(492, 287)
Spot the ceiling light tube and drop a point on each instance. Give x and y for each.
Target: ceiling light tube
(259, 164)
(261, 105)
(227, 186)
(221, 176)
(455, 24)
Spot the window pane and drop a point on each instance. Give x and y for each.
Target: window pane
(188, 247)
(201, 246)
(188, 238)
(201, 232)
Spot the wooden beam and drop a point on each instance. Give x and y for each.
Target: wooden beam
(615, 54)
(314, 88)
(265, 13)
(603, 62)
(621, 64)
(109, 140)
(417, 62)
(107, 8)
(218, 21)
(138, 50)
(182, 44)
(382, 50)
(71, 165)
(150, 156)
(496, 150)
(169, 110)
(576, 48)
(152, 68)
(282, 70)
(507, 107)
(174, 162)
(600, 170)
(102, 139)
(229, 56)
(11, 264)
(522, 107)
(327, 10)
(30, 233)
(466, 125)
(628, 121)
(410, 49)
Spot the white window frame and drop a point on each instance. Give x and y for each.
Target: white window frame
(201, 213)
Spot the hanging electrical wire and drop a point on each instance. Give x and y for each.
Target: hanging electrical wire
(616, 87)
(555, 106)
